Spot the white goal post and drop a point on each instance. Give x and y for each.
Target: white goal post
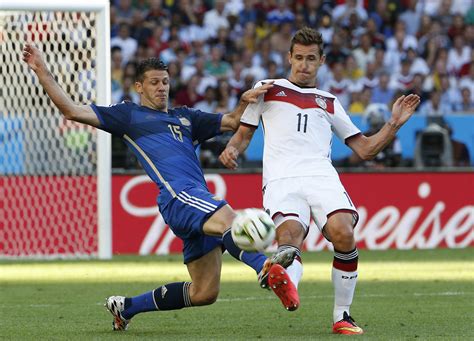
(55, 176)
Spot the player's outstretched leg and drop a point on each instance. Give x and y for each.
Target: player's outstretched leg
(171, 296)
(283, 287)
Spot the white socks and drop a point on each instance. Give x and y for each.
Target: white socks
(344, 283)
(295, 271)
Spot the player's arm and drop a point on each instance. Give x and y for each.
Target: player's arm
(368, 147)
(71, 111)
(231, 120)
(237, 145)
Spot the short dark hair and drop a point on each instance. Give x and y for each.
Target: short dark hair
(147, 65)
(307, 36)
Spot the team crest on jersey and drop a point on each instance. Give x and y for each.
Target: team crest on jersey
(321, 103)
(184, 121)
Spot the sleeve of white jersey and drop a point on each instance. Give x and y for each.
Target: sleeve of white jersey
(342, 125)
(253, 111)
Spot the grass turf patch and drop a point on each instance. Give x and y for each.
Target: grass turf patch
(420, 294)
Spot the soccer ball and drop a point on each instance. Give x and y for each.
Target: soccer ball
(253, 230)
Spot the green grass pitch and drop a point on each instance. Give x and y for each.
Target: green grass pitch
(401, 295)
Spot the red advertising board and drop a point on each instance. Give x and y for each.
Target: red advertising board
(397, 210)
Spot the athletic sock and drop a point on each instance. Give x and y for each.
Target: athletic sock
(344, 279)
(253, 259)
(171, 296)
(295, 271)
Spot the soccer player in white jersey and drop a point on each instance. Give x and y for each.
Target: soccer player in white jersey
(299, 180)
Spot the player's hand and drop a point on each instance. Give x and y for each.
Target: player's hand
(251, 96)
(403, 109)
(229, 157)
(32, 56)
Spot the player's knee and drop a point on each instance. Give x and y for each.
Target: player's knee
(342, 236)
(205, 297)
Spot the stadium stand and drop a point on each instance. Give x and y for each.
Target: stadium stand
(376, 50)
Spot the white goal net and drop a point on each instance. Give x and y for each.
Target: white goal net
(49, 194)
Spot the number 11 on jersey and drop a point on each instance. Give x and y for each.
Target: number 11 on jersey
(301, 118)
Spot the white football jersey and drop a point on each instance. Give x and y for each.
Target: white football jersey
(298, 125)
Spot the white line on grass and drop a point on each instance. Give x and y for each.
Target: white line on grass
(271, 297)
(447, 293)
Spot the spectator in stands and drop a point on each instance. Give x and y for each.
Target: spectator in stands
(437, 34)
(382, 93)
(216, 66)
(458, 55)
(365, 52)
(337, 52)
(216, 18)
(339, 85)
(466, 103)
(382, 63)
(361, 101)
(187, 95)
(457, 28)
(126, 92)
(318, 13)
(403, 79)
(342, 12)
(236, 81)
(157, 13)
(418, 64)
(401, 41)
(123, 40)
(124, 12)
(411, 17)
(248, 14)
(265, 54)
(155, 40)
(370, 80)
(377, 38)
(434, 106)
(281, 14)
(116, 73)
(281, 38)
(224, 43)
(250, 68)
(449, 94)
(209, 102)
(326, 29)
(226, 98)
(352, 69)
(382, 16)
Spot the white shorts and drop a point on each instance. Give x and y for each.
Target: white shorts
(301, 198)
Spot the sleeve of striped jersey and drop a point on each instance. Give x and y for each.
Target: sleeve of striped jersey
(342, 125)
(115, 118)
(253, 111)
(204, 125)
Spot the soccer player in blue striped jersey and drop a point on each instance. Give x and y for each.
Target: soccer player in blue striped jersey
(164, 140)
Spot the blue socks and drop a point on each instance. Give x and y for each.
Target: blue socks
(171, 296)
(253, 259)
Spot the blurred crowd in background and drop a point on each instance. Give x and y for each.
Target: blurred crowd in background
(375, 51)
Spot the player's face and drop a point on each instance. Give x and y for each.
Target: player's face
(305, 62)
(154, 90)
